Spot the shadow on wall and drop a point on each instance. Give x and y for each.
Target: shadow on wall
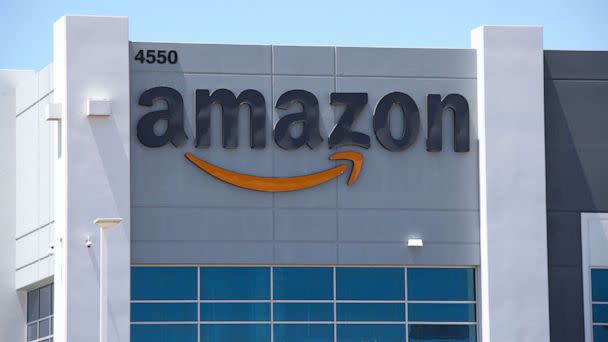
(576, 143)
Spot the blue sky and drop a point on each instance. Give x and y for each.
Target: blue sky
(26, 25)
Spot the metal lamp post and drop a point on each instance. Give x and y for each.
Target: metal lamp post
(104, 224)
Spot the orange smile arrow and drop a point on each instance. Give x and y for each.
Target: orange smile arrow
(280, 184)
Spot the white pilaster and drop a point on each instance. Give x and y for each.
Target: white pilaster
(514, 286)
(92, 176)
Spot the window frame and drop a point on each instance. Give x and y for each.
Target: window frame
(50, 317)
(271, 322)
(587, 265)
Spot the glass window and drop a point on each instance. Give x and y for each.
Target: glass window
(443, 333)
(443, 284)
(303, 283)
(163, 283)
(44, 327)
(163, 333)
(599, 299)
(371, 332)
(366, 283)
(235, 283)
(441, 312)
(235, 312)
(599, 285)
(40, 313)
(311, 304)
(304, 312)
(303, 333)
(46, 304)
(33, 305)
(32, 331)
(600, 333)
(163, 312)
(600, 313)
(235, 332)
(353, 312)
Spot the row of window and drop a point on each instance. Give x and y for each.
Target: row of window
(303, 304)
(208, 307)
(304, 332)
(298, 312)
(599, 299)
(302, 283)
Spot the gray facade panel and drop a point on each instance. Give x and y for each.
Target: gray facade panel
(576, 65)
(576, 159)
(303, 60)
(414, 178)
(194, 252)
(566, 304)
(304, 160)
(163, 177)
(576, 112)
(399, 225)
(305, 253)
(437, 63)
(201, 224)
(398, 254)
(184, 215)
(207, 58)
(577, 146)
(305, 225)
(564, 238)
(576, 178)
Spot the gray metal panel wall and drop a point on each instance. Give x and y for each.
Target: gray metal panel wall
(182, 215)
(576, 121)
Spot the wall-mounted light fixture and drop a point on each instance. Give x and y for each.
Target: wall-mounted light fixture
(415, 242)
(52, 112)
(99, 107)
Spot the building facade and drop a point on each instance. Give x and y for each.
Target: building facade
(199, 192)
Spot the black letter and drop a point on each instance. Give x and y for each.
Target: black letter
(174, 115)
(309, 117)
(342, 134)
(229, 105)
(435, 107)
(411, 121)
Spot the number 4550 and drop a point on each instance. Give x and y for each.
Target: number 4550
(156, 56)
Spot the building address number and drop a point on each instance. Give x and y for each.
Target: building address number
(156, 56)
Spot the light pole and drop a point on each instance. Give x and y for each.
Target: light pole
(104, 224)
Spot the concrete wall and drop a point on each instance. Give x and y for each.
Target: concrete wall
(90, 60)
(12, 314)
(512, 183)
(182, 215)
(34, 169)
(576, 122)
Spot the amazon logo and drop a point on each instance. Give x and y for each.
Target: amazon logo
(307, 116)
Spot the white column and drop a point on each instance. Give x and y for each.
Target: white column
(513, 229)
(92, 176)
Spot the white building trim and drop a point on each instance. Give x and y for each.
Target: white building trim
(513, 228)
(91, 60)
